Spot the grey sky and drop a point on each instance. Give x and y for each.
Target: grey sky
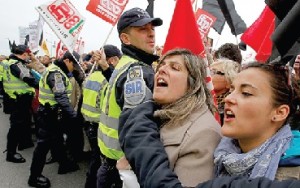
(15, 13)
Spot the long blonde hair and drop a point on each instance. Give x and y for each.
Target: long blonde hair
(197, 95)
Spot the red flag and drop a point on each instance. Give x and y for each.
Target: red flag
(183, 31)
(258, 35)
(204, 21)
(107, 10)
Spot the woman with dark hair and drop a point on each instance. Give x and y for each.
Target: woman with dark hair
(140, 138)
(258, 139)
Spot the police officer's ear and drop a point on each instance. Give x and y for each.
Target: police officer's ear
(125, 38)
(66, 61)
(113, 60)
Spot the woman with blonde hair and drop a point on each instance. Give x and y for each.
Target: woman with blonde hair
(223, 72)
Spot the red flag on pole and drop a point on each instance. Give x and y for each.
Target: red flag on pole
(107, 10)
(183, 31)
(258, 35)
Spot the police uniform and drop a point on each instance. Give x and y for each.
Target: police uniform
(19, 84)
(1, 78)
(130, 84)
(54, 91)
(93, 94)
(7, 101)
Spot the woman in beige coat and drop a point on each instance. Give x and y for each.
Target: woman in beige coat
(188, 129)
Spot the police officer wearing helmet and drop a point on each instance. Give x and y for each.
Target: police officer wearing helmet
(20, 85)
(54, 91)
(129, 85)
(93, 94)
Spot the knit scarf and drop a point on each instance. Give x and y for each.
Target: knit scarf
(259, 162)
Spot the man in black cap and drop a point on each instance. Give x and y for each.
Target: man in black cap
(130, 84)
(19, 84)
(54, 93)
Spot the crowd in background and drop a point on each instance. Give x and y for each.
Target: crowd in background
(144, 117)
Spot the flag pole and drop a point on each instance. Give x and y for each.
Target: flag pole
(196, 6)
(237, 41)
(105, 41)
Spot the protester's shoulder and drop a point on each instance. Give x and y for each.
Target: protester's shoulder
(206, 118)
(285, 173)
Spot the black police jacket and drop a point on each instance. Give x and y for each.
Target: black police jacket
(140, 140)
(15, 70)
(145, 60)
(61, 97)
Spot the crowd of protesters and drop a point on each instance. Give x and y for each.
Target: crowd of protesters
(148, 120)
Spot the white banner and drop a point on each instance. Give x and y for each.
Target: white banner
(23, 32)
(63, 18)
(33, 36)
(79, 47)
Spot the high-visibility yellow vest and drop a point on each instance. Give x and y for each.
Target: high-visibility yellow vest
(93, 94)
(45, 93)
(108, 137)
(5, 74)
(13, 85)
(1, 70)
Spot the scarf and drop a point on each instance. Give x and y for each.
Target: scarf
(260, 161)
(139, 54)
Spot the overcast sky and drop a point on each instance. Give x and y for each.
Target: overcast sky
(15, 13)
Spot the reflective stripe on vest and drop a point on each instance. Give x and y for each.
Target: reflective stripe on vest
(93, 94)
(108, 137)
(1, 70)
(13, 85)
(45, 93)
(6, 75)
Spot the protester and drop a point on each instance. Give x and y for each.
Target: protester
(188, 130)
(295, 119)
(128, 85)
(93, 94)
(229, 51)
(223, 72)
(20, 85)
(46, 60)
(253, 134)
(140, 140)
(55, 106)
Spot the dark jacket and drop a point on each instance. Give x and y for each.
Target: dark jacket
(15, 70)
(145, 60)
(140, 140)
(61, 97)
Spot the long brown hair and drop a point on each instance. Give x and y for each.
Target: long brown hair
(197, 95)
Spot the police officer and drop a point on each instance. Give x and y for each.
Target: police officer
(93, 94)
(2, 58)
(7, 101)
(19, 84)
(127, 87)
(54, 92)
